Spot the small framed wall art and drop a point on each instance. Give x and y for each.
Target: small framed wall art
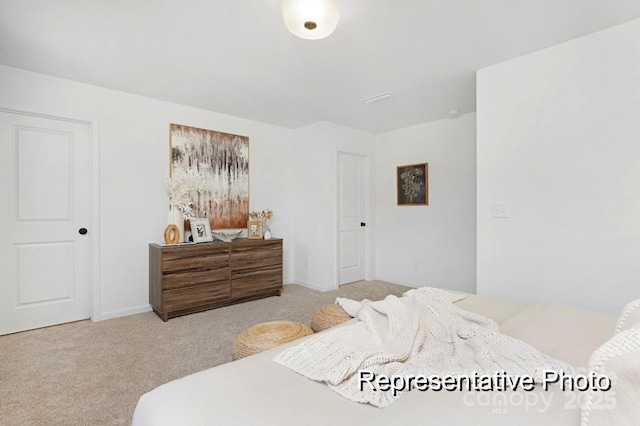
(254, 229)
(201, 230)
(413, 185)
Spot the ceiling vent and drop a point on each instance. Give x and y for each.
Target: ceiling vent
(379, 97)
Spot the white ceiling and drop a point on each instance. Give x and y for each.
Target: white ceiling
(236, 57)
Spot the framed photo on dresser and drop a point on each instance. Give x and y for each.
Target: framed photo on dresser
(254, 229)
(201, 230)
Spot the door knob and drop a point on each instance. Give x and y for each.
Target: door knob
(363, 224)
(82, 231)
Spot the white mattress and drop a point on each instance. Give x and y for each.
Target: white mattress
(256, 391)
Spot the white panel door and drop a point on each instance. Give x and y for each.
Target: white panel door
(351, 217)
(45, 186)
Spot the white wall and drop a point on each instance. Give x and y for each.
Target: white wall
(134, 164)
(559, 140)
(315, 150)
(430, 245)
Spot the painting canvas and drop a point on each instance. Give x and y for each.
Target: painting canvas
(413, 184)
(221, 161)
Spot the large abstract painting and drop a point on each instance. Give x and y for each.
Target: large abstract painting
(221, 163)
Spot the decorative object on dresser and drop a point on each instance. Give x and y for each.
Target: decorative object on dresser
(175, 218)
(182, 186)
(413, 185)
(254, 229)
(226, 235)
(201, 230)
(195, 277)
(265, 217)
(171, 234)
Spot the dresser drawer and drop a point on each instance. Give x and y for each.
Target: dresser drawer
(186, 298)
(251, 287)
(255, 282)
(194, 262)
(257, 272)
(215, 273)
(251, 258)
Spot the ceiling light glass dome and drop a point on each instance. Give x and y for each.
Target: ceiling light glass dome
(311, 19)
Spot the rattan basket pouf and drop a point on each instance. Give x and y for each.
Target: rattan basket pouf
(267, 335)
(328, 316)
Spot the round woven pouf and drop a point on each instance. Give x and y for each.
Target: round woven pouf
(267, 335)
(328, 316)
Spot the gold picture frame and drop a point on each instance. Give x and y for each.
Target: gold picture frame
(254, 229)
(412, 183)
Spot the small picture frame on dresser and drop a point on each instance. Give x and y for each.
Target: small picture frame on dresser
(201, 230)
(254, 229)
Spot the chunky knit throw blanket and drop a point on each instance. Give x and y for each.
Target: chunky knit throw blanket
(420, 333)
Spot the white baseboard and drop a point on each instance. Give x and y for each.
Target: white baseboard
(122, 313)
(313, 286)
(394, 281)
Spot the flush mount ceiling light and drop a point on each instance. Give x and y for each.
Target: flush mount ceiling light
(310, 19)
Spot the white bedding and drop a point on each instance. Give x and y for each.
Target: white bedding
(257, 391)
(422, 333)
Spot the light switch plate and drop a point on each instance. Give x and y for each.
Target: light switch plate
(500, 210)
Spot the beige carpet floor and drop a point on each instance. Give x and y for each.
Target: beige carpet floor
(86, 373)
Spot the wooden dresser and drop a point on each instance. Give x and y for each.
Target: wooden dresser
(195, 277)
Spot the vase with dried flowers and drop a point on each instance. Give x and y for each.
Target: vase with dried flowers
(264, 216)
(182, 188)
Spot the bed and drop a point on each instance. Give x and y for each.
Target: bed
(257, 391)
